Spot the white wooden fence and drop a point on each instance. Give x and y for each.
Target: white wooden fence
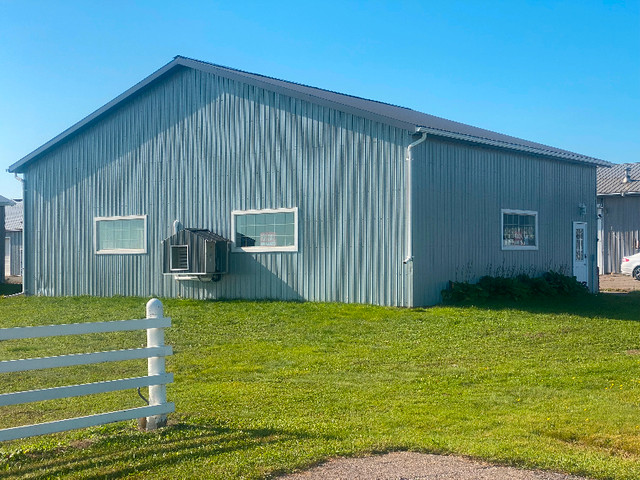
(158, 408)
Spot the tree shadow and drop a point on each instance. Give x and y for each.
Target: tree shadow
(616, 306)
(250, 277)
(123, 455)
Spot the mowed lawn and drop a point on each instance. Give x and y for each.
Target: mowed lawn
(263, 388)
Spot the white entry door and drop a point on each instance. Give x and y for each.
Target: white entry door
(580, 252)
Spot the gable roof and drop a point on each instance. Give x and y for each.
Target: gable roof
(386, 113)
(610, 180)
(14, 217)
(5, 202)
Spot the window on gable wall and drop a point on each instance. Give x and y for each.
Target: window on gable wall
(519, 230)
(271, 230)
(120, 235)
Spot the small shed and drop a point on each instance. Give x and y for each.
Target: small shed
(195, 254)
(618, 215)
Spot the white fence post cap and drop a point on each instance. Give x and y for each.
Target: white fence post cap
(154, 308)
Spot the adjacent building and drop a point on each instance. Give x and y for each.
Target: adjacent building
(618, 215)
(13, 224)
(286, 191)
(4, 202)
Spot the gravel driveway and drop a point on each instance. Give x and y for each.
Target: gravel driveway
(617, 283)
(419, 466)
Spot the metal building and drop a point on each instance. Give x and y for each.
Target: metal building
(4, 202)
(13, 239)
(324, 196)
(618, 215)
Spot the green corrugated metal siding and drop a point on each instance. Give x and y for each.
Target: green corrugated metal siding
(460, 190)
(620, 230)
(193, 147)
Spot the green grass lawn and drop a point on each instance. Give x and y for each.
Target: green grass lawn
(263, 388)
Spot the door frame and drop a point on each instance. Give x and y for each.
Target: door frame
(585, 250)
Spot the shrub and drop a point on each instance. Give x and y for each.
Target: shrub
(462, 292)
(515, 288)
(564, 285)
(10, 288)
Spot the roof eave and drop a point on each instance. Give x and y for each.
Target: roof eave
(6, 202)
(571, 157)
(618, 194)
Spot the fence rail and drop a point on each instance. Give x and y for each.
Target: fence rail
(66, 329)
(157, 379)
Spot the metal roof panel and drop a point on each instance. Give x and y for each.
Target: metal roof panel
(5, 202)
(14, 217)
(610, 180)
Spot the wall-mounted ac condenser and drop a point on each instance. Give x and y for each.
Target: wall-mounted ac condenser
(192, 254)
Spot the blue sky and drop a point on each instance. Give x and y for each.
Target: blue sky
(563, 73)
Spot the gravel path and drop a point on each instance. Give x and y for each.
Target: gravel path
(616, 283)
(419, 466)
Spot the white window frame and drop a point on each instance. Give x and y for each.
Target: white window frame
(119, 251)
(264, 249)
(509, 211)
(171, 259)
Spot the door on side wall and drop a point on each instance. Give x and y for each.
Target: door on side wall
(580, 252)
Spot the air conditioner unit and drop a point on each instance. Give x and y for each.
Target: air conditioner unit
(195, 254)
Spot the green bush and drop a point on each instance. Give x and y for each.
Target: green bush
(550, 284)
(564, 285)
(461, 292)
(10, 288)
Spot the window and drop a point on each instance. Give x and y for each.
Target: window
(274, 230)
(519, 230)
(119, 235)
(179, 257)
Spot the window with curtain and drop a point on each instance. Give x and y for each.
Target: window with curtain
(519, 230)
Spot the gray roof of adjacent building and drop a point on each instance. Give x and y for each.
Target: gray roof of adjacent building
(5, 202)
(621, 179)
(386, 113)
(14, 217)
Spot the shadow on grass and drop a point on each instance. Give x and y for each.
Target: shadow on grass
(10, 288)
(615, 306)
(123, 455)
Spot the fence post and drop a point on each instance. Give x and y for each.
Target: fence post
(156, 365)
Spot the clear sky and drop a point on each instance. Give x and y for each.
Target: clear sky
(562, 73)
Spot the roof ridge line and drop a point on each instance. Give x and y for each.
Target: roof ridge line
(246, 72)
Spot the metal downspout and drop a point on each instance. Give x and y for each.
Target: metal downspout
(409, 195)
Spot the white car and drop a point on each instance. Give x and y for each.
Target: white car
(631, 266)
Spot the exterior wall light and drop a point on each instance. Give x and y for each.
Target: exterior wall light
(582, 208)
